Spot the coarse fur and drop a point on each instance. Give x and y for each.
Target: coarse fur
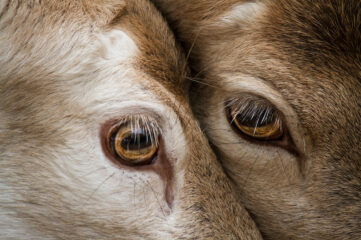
(69, 71)
(303, 57)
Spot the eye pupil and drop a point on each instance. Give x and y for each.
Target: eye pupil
(256, 120)
(135, 141)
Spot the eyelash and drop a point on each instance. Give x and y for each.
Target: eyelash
(143, 122)
(251, 109)
(256, 120)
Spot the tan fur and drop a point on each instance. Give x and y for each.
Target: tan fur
(69, 68)
(305, 58)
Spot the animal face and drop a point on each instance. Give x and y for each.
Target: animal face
(280, 102)
(97, 140)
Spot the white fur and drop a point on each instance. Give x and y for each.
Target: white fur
(242, 12)
(116, 46)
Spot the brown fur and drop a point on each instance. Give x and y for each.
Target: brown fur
(54, 100)
(310, 53)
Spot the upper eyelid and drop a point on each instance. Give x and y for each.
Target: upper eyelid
(255, 107)
(143, 121)
(252, 105)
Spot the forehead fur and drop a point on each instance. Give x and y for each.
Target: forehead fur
(317, 30)
(318, 42)
(161, 57)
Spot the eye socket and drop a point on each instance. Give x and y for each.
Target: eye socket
(134, 143)
(255, 118)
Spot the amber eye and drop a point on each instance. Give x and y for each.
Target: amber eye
(133, 145)
(256, 120)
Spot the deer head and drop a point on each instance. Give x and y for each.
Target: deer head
(97, 139)
(279, 98)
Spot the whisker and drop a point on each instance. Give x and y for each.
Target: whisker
(283, 167)
(250, 171)
(144, 197)
(304, 145)
(189, 52)
(207, 129)
(105, 180)
(134, 184)
(200, 82)
(155, 195)
(230, 143)
(91, 172)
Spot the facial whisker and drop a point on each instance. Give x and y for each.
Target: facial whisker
(105, 180)
(200, 82)
(91, 172)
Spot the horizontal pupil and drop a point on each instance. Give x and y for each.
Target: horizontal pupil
(136, 141)
(263, 119)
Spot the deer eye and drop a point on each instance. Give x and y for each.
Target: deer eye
(133, 144)
(255, 118)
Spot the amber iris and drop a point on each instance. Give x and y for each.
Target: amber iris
(134, 145)
(266, 126)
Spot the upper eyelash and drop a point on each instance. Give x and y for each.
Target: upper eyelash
(144, 122)
(251, 107)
